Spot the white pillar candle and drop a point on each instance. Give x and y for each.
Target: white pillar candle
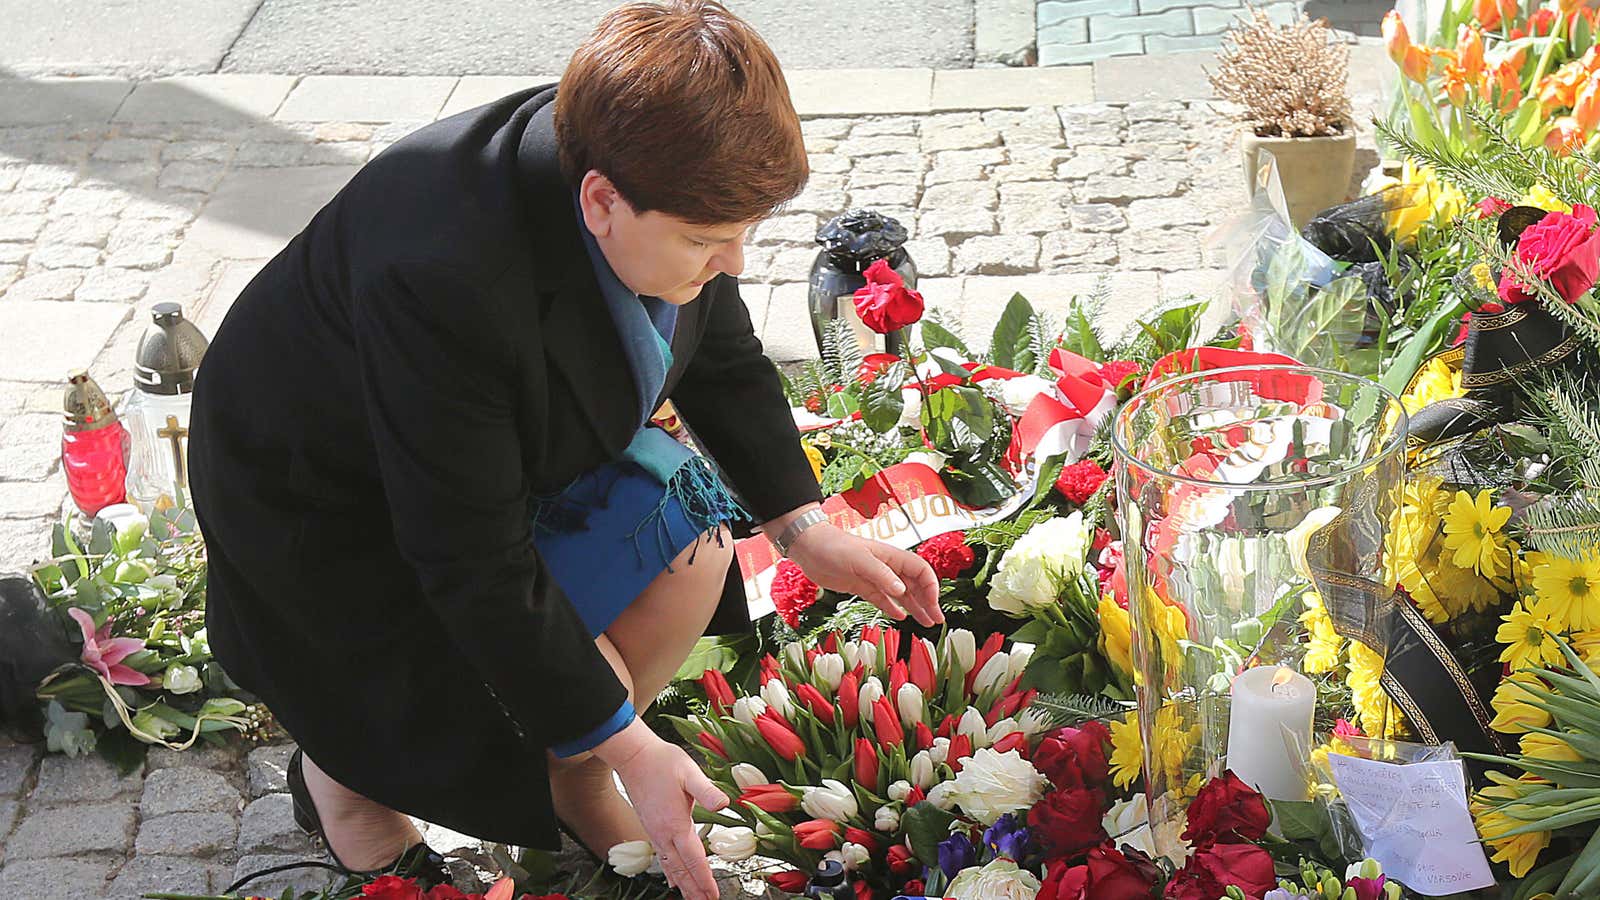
(1269, 724)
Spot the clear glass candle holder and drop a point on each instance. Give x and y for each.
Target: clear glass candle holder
(1254, 505)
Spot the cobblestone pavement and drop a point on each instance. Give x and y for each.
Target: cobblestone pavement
(1078, 31)
(180, 191)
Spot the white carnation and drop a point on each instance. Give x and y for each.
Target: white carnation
(992, 784)
(1031, 572)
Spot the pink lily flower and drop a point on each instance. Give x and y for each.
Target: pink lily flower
(104, 654)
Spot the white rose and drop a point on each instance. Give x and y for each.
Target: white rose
(776, 695)
(855, 856)
(832, 801)
(181, 679)
(960, 650)
(909, 702)
(973, 726)
(942, 795)
(829, 669)
(871, 690)
(940, 751)
(992, 784)
(747, 709)
(922, 770)
(900, 790)
(731, 844)
(794, 653)
(1030, 573)
(1128, 824)
(1020, 655)
(631, 858)
(747, 776)
(1017, 393)
(911, 411)
(886, 819)
(993, 673)
(1002, 728)
(999, 880)
(933, 459)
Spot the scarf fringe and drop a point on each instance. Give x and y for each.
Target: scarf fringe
(705, 502)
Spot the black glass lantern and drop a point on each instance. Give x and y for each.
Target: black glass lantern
(850, 243)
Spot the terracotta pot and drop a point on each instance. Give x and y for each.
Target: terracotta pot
(1315, 171)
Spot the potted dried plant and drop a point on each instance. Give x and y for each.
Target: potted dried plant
(1291, 82)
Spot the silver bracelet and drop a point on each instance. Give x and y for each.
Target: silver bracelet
(792, 533)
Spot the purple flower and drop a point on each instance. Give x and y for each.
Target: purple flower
(994, 834)
(956, 853)
(1282, 894)
(1367, 888)
(1017, 845)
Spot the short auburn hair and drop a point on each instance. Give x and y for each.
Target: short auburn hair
(684, 108)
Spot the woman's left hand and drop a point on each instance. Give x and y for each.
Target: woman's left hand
(889, 578)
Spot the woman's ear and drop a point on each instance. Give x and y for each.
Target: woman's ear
(600, 201)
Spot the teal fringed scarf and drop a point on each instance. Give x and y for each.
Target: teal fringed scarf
(645, 326)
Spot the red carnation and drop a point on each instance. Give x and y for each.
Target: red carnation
(1490, 207)
(885, 304)
(1079, 481)
(1069, 822)
(1120, 373)
(1209, 872)
(874, 363)
(1075, 757)
(1227, 809)
(948, 554)
(1562, 249)
(792, 592)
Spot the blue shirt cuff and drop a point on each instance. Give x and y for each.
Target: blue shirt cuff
(619, 720)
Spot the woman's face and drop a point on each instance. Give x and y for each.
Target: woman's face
(657, 255)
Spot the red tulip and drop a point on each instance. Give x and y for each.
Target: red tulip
(900, 860)
(710, 742)
(960, 749)
(790, 882)
(830, 643)
(913, 888)
(865, 838)
(814, 701)
(863, 890)
(914, 796)
(922, 667)
(898, 675)
(818, 834)
(780, 737)
(850, 699)
(990, 647)
(1003, 707)
(770, 668)
(891, 643)
(947, 726)
(717, 691)
(772, 798)
(924, 736)
(1016, 740)
(886, 724)
(866, 764)
(872, 634)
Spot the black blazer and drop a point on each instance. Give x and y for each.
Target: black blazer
(368, 425)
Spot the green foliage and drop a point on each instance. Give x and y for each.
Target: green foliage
(1010, 348)
(1070, 710)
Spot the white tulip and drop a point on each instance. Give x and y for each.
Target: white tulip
(871, 690)
(747, 709)
(900, 790)
(1002, 728)
(851, 651)
(631, 858)
(940, 751)
(973, 726)
(960, 650)
(731, 844)
(794, 654)
(886, 819)
(762, 830)
(909, 703)
(940, 795)
(992, 673)
(832, 801)
(1032, 722)
(776, 695)
(835, 856)
(922, 770)
(747, 776)
(1020, 654)
(829, 669)
(855, 856)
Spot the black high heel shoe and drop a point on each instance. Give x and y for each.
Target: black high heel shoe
(419, 862)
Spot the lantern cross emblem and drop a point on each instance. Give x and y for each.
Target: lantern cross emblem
(175, 433)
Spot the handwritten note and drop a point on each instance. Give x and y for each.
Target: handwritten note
(1414, 820)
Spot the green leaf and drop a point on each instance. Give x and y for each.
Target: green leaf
(1301, 820)
(881, 405)
(124, 751)
(1033, 632)
(936, 335)
(925, 826)
(720, 653)
(978, 485)
(1079, 335)
(1011, 336)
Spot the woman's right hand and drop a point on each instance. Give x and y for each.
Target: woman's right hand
(663, 785)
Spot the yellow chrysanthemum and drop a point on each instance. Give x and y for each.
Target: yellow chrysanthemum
(1545, 199)
(1116, 634)
(1587, 645)
(1324, 644)
(1375, 713)
(1472, 528)
(1171, 627)
(1548, 747)
(1436, 608)
(1434, 382)
(1462, 589)
(813, 456)
(1319, 756)
(1530, 637)
(1514, 709)
(1127, 750)
(1518, 852)
(1570, 589)
(1431, 200)
(1483, 277)
(1173, 741)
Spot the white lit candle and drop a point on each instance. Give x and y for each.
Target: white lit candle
(1268, 726)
